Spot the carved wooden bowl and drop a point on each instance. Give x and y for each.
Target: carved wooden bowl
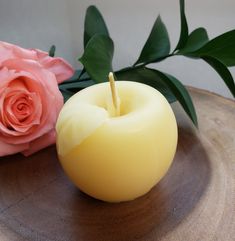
(195, 200)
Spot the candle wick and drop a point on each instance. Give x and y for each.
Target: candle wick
(114, 92)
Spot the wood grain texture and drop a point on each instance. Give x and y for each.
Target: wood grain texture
(195, 201)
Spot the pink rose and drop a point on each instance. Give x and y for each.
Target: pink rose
(30, 100)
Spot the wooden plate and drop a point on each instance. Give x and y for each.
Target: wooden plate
(195, 201)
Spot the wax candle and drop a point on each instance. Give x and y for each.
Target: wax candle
(116, 141)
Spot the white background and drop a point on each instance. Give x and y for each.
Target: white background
(41, 23)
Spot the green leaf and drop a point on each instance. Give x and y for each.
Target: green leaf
(146, 76)
(75, 76)
(157, 45)
(180, 92)
(82, 73)
(195, 41)
(66, 94)
(51, 52)
(76, 85)
(223, 71)
(221, 48)
(184, 27)
(94, 24)
(97, 57)
(70, 89)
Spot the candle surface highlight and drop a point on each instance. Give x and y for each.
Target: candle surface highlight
(116, 157)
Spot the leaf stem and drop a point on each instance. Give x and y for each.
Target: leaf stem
(74, 81)
(133, 67)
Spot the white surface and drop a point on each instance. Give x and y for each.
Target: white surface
(39, 24)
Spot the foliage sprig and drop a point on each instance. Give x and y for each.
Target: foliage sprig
(219, 53)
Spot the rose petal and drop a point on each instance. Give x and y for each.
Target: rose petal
(11, 51)
(40, 143)
(9, 149)
(44, 83)
(6, 75)
(29, 116)
(52, 95)
(30, 99)
(5, 52)
(10, 125)
(62, 69)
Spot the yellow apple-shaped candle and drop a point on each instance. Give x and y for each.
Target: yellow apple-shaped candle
(116, 143)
